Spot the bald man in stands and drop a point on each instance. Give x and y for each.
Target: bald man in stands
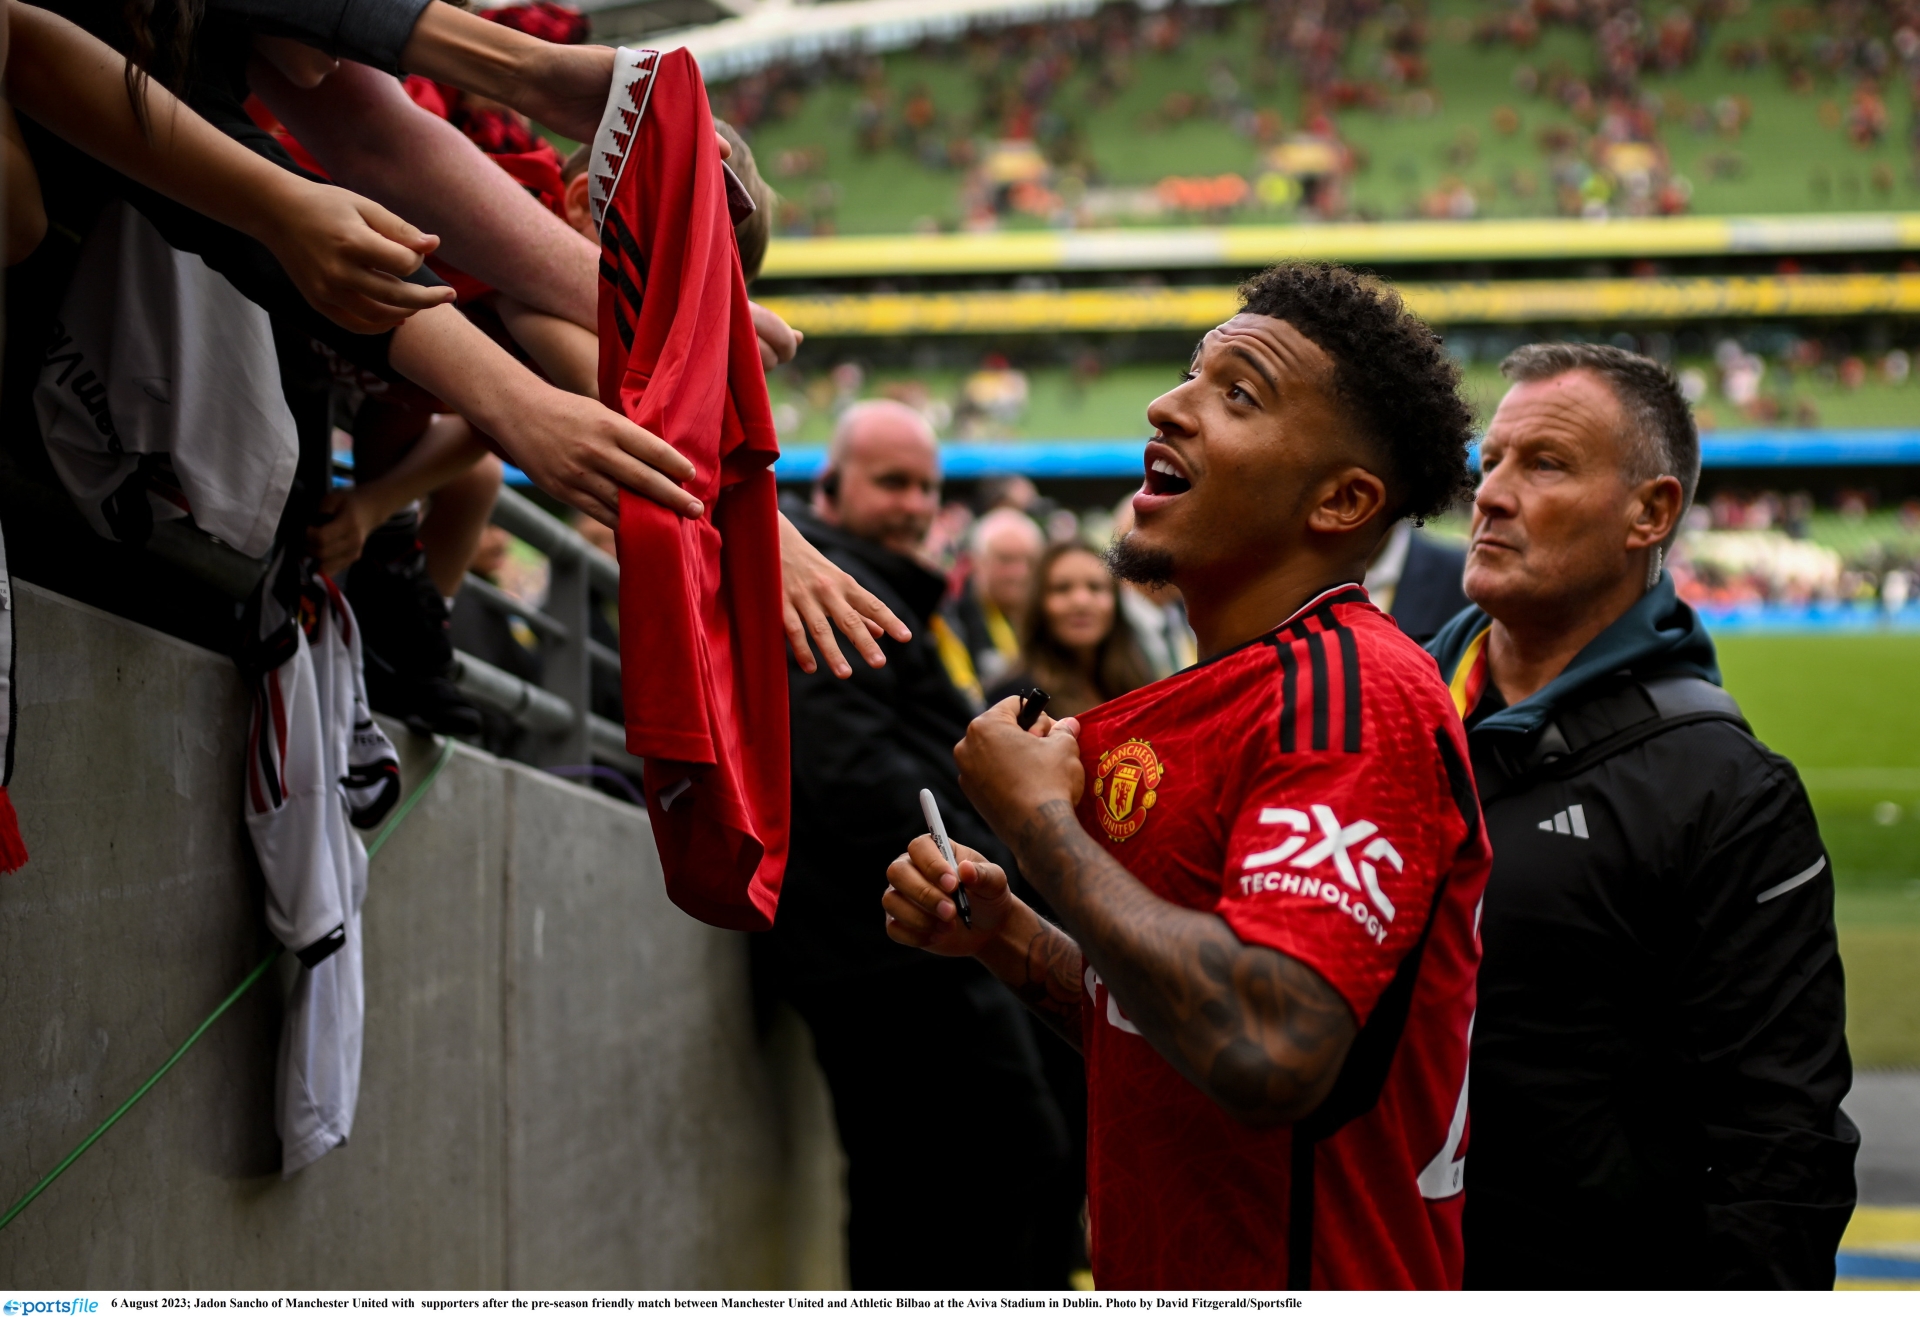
(863, 748)
(1006, 546)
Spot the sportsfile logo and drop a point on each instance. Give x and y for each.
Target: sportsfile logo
(28, 1307)
(1335, 842)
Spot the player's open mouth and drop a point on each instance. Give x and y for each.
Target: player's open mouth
(1164, 476)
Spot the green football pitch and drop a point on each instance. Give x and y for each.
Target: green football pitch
(1846, 711)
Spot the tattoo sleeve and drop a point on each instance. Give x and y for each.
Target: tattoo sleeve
(1051, 988)
(1258, 1031)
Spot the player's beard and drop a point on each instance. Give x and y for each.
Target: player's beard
(1132, 561)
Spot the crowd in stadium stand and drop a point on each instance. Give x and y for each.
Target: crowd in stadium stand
(1606, 135)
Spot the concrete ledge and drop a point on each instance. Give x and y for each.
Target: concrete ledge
(562, 1082)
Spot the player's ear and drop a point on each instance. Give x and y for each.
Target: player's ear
(1349, 499)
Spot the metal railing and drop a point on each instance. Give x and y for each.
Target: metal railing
(558, 715)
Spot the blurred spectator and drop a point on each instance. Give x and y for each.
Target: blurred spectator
(1006, 546)
(1077, 644)
(948, 541)
(1415, 579)
(1157, 614)
(1062, 525)
(1016, 492)
(1895, 590)
(863, 749)
(992, 400)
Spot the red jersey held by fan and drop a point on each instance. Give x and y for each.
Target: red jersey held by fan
(1311, 787)
(703, 663)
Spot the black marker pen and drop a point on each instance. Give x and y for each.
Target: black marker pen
(1033, 703)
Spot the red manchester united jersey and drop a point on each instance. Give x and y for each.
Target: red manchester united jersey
(703, 666)
(1311, 788)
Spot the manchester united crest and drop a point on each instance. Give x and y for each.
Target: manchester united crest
(1126, 784)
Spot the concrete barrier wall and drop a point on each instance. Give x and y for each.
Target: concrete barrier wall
(562, 1082)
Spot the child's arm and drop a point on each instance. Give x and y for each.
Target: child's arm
(347, 255)
(582, 453)
(568, 354)
(447, 448)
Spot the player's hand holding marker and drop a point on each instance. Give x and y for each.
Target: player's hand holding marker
(1009, 773)
(920, 906)
(921, 901)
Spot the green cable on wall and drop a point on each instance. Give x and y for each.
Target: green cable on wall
(253, 976)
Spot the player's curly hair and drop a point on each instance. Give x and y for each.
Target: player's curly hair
(1389, 369)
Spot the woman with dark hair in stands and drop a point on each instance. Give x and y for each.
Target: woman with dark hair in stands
(1076, 643)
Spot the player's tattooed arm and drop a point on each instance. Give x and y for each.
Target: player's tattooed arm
(1047, 976)
(1257, 1030)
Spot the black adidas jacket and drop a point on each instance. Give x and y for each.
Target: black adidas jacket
(1659, 1052)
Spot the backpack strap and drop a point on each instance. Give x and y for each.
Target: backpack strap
(1616, 716)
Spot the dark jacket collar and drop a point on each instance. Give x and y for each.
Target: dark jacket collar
(920, 588)
(1659, 634)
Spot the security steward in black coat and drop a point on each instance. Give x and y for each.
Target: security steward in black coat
(972, 1212)
(1659, 1050)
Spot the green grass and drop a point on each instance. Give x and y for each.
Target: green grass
(1843, 708)
(1883, 995)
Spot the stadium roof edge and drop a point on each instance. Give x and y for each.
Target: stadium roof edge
(774, 30)
(1393, 242)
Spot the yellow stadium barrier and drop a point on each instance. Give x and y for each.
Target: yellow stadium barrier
(1398, 242)
(1514, 301)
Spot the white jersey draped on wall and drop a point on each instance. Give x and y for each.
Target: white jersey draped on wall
(318, 766)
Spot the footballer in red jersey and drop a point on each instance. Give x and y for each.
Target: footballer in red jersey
(1266, 868)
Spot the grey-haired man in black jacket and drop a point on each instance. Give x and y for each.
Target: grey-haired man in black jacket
(1659, 1052)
